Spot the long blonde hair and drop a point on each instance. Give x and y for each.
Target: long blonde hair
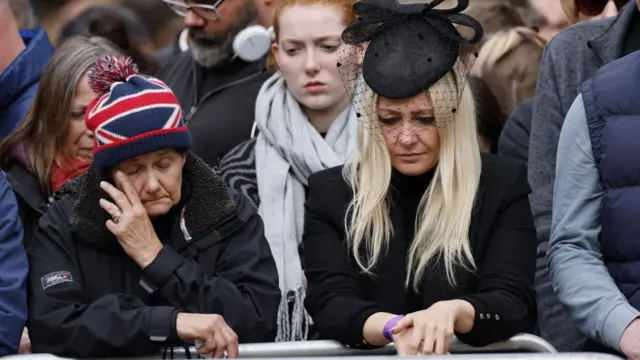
(444, 213)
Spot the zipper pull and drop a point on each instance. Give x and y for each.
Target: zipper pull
(191, 113)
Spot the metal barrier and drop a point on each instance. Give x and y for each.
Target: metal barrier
(325, 348)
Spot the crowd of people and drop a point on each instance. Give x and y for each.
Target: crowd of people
(179, 173)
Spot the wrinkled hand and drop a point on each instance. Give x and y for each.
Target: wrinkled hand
(428, 331)
(133, 228)
(210, 332)
(25, 343)
(630, 340)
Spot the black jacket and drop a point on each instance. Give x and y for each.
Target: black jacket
(89, 299)
(32, 201)
(514, 139)
(502, 237)
(218, 104)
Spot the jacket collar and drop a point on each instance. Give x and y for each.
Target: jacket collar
(25, 184)
(209, 205)
(608, 44)
(26, 69)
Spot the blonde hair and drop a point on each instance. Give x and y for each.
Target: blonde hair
(509, 63)
(444, 213)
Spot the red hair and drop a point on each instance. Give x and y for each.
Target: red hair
(344, 6)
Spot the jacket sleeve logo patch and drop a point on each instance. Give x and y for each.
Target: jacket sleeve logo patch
(55, 278)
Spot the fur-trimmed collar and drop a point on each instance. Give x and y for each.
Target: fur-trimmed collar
(208, 206)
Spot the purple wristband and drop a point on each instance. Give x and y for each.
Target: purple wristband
(390, 324)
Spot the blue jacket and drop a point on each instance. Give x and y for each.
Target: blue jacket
(19, 82)
(613, 117)
(13, 272)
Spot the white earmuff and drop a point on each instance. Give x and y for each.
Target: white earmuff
(253, 43)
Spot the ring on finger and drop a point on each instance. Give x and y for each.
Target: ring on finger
(117, 216)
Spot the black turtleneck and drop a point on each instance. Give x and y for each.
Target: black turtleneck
(406, 192)
(406, 195)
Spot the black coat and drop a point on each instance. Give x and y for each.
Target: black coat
(503, 243)
(218, 104)
(514, 139)
(32, 201)
(89, 299)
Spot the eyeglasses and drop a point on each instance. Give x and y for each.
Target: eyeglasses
(205, 11)
(596, 7)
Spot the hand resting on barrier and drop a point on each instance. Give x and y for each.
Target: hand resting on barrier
(210, 332)
(431, 331)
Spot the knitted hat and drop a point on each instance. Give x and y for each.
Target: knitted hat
(133, 114)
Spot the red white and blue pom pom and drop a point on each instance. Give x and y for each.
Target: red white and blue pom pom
(110, 69)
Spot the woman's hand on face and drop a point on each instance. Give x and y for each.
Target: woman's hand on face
(130, 222)
(428, 331)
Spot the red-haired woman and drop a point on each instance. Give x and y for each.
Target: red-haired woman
(306, 124)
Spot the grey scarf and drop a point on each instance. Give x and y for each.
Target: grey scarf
(288, 150)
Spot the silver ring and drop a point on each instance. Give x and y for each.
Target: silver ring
(117, 216)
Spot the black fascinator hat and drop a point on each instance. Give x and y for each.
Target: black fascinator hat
(400, 50)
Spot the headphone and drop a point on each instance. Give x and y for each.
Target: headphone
(251, 44)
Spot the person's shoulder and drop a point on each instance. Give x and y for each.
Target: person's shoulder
(620, 75)
(6, 194)
(499, 171)
(61, 207)
(329, 190)
(576, 37)
(240, 155)
(238, 162)
(177, 67)
(331, 178)
(584, 30)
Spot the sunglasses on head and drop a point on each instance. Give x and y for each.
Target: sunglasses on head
(596, 7)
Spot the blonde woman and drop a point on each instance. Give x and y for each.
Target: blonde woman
(418, 237)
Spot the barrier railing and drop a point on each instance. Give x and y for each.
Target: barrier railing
(325, 348)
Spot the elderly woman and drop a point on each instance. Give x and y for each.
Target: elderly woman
(419, 236)
(147, 248)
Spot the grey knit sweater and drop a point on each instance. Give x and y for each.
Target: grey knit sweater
(571, 57)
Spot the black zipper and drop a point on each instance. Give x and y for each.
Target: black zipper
(196, 102)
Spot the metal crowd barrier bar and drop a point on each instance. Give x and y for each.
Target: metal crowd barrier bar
(321, 348)
(511, 356)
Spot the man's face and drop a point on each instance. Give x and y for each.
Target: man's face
(212, 40)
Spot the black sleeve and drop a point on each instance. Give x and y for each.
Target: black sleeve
(245, 289)
(505, 299)
(335, 299)
(62, 323)
(514, 138)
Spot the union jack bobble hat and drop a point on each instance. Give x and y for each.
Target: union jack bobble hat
(133, 114)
